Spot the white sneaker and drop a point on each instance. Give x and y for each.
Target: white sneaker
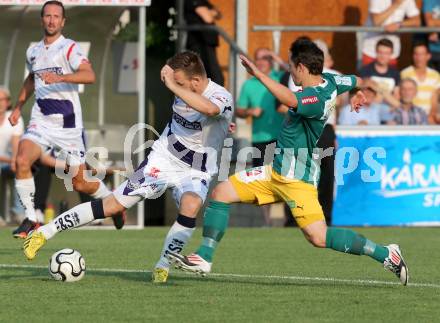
(192, 263)
(396, 264)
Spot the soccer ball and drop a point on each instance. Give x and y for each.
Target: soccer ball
(67, 265)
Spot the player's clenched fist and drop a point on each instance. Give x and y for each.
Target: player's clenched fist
(250, 67)
(167, 75)
(50, 78)
(15, 116)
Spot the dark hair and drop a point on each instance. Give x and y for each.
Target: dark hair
(306, 52)
(188, 62)
(304, 37)
(385, 42)
(421, 44)
(56, 3)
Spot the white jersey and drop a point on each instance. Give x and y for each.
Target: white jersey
(57, 106)
(195, 138)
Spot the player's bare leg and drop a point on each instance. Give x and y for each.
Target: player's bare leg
(96, 189)
(77, 216)
(179, 234)
(215, 222)
(349, 241)
(28, 153)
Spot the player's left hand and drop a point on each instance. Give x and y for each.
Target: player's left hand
(51, 78)
(249, 66)
(167, 75)
(357, 101)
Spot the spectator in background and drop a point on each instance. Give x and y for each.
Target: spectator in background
(431, 13)
(202, 12)
(380, 71)
(427, 79)
(255, 101)
(9, 138)
(369, 115)
(407, 113)
(390, 14)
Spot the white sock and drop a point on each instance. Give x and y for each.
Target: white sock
(75, 217)
(26, 192)
(102, 191)
(175, 241)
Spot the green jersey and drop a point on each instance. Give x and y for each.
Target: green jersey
(297, 156)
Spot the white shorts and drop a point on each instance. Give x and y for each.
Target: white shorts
(66, 144)
(158, 172)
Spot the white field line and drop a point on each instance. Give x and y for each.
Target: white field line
(274, 277)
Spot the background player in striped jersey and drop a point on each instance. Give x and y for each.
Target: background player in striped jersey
(56, 67)
(294, 174)
(184, 158)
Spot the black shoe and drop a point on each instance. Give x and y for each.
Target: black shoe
(25, 227)
(119, 220)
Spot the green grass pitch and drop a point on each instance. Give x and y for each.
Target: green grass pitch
(260, 275)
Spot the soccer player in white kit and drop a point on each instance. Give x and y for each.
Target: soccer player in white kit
(184, 159)
(56, 68)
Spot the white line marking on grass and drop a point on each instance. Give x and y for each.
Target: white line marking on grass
(276, 277)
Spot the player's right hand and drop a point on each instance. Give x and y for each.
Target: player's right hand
(15, 116)
(248, 65)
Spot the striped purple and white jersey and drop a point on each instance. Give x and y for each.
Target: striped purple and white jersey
(196, 138)
(57, 106)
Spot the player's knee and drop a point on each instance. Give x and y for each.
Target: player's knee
(219, 193)
(82, 186)
(316, 239)
(190, 208)
(23, 163)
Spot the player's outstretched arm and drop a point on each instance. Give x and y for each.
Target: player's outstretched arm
(25, 93)
(84, 75)
(194, 100)
(282, 93)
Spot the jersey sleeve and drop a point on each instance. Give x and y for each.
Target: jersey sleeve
(310, 105)
(411, 9)
(377, 6)
(223, 100)
(75, 56)
(344, 83)
(28, 59)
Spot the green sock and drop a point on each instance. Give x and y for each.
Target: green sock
(215, 222)
(348, 241)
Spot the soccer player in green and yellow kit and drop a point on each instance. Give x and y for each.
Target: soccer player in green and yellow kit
(294, 174)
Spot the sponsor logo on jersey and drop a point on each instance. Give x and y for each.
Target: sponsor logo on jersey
(154, 172)
(309, 100)
(220, 98)
(56, 70)
(185, 123)
(227, 109)
(343, 80)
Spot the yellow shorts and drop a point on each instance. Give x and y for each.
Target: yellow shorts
(261, 185)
